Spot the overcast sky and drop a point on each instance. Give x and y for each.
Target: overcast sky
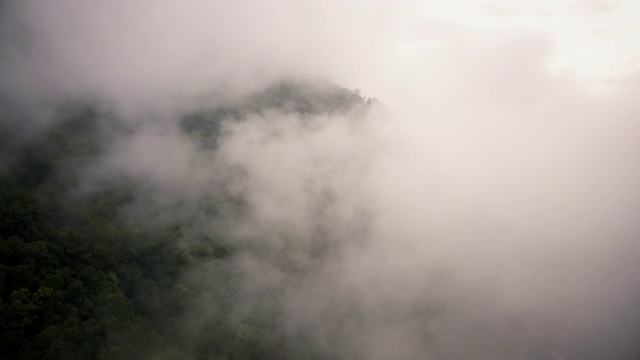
(72, 46)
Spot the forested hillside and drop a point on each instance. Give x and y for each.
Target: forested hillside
(83, 278)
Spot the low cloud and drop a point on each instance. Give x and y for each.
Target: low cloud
(486, 212)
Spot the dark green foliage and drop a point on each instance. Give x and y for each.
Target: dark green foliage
(77, 281)
(205, 126)
(287, 97)
(18, 214)
(304, 99)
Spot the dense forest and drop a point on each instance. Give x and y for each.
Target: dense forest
(82, 278)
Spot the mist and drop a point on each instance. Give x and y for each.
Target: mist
(484, 208)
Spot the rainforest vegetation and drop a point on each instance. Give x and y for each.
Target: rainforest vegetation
(83, 278)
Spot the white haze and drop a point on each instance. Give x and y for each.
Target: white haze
(491, 212)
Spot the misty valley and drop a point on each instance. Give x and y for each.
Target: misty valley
(101, 266)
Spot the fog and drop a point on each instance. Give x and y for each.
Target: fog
(485, 210)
